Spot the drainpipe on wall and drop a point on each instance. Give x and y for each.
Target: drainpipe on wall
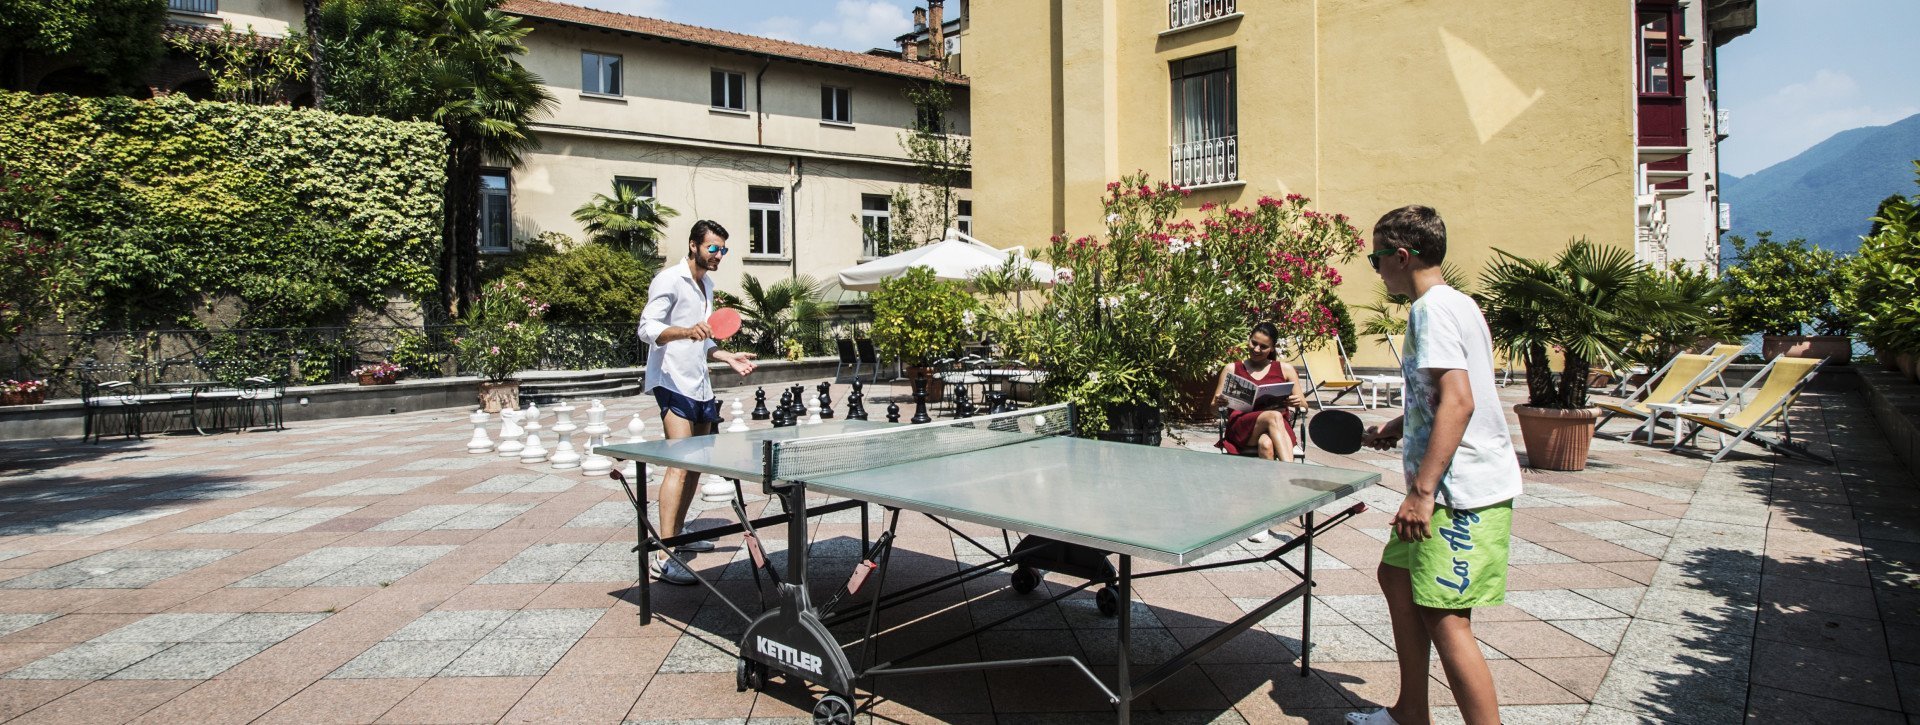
(796, 173)
(760, 114)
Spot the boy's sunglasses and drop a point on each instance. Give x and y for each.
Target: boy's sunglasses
(1374, 258)
(716, 249)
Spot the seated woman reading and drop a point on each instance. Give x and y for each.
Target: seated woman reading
(1266, 432)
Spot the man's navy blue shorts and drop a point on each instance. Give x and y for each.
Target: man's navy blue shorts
(690, 410)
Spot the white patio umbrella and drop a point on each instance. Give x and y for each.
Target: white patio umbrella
(959, 258)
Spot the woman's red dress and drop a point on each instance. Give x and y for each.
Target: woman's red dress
(1240, 424)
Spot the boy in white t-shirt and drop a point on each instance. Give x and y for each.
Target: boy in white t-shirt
(1447, 552)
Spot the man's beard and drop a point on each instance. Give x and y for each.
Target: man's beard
(710, 263)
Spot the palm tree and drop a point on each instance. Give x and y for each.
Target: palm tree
(1591, 301)
(316, 54)
(488, 103)
(625, 221)
(773, 315)
(1387, 313)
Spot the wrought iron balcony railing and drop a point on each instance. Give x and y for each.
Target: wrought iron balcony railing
(1210, 161)
(1182, 13)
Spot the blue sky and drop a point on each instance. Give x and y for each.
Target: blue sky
(1813, 67)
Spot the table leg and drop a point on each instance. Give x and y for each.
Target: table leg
(1679, 432)
(1306, 601)
(1125, 679)
(645, 546)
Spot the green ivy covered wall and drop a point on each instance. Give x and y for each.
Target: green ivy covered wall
(302, 217)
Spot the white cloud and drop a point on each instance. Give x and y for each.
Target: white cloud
(780, 28)
(1799, 115)
(860, 24)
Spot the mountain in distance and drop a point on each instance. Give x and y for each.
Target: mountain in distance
(1828, 193)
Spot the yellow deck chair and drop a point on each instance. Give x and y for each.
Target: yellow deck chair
(1730, 351)
(1782, 380)
(1325, 368)
(1674, 382)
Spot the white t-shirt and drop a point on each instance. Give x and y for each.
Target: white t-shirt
(1445, 331)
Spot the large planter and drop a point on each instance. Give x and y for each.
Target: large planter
(1132, 424)
(379, 379)
(1906, 362)
(1887, 360)
(1557, 440)
(1837, 349)
(1195, 402)
(498, 395)
(34, 398)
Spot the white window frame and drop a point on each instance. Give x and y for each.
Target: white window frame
(618, 73)
(506, 197)
(756, 224)
(730, 79)
(842, 100)
(870, 218)
(963, 216)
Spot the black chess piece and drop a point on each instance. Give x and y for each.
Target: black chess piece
(760, 411)
(893, 412)
(920, 402)
(782, 417)
(797, 402)
(826, 400)
(962, 404)
(855, 410)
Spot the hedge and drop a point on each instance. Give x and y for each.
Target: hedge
(301, 215)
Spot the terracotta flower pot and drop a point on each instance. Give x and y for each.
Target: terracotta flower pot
(1905, 362)
(496, 396)
(1887, 360)
(1557, 440)
(1837, 349)
(936, 388)
(10, 398)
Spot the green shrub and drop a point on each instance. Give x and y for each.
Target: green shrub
(588, 284)
(300, 214)
(1885, 304)
(503, 332)
(918, 317)
(1780, 288)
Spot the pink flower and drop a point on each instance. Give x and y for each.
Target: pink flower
(495, 350)
(1209, 206)
(1265, 286)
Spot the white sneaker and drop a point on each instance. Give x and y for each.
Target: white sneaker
(1258, 537)
(1378, 716)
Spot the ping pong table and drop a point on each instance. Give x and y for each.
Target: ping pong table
(1086, 510)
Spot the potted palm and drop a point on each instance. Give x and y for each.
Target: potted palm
(501, 338)
(777, 317)
(1590, 301)
(918, 318)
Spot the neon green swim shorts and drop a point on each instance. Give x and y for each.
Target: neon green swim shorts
(1464, 564)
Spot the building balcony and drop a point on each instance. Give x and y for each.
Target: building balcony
(1183, 14)
(1207, 162)
(197, 7)
(1722, 120)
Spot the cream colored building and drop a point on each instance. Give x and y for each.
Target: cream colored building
(1518, 121)
(793, 148)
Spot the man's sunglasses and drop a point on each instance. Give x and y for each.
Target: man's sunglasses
(1374, 258)
(716, 249)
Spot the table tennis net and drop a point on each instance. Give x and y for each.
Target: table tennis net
(813, 458)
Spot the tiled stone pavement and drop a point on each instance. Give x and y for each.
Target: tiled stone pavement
(369, 570)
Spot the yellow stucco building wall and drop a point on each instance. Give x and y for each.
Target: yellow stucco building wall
(1515, 120)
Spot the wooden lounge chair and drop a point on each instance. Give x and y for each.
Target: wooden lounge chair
(1325, 368)
(1674, 383)
(1780, 384)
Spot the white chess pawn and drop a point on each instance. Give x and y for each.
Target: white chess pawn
(595, 464)
(534, 451)
(510, 434)
(564, 455)
(636, 430)
(813, 411)
(479, 443)
(739, 424)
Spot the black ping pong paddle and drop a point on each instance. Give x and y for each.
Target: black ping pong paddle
(1336, 431)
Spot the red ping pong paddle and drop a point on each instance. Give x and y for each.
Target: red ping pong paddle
(724, 322)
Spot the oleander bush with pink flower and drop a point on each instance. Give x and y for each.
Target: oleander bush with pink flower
(1158, 303)
(503, 331)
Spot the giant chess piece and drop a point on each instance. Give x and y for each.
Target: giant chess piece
(510, 434)
(564, 454)
(479, 443)
(534, 451)
(799, 401)
(920, 402)
(760, 404)
(813, 412)
(855, 409)
(739, 424)
(962, 403)
(826, 400)
(893, 412)
(636, 433)
(595, 464)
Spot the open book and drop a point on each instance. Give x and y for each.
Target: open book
(1243, 395)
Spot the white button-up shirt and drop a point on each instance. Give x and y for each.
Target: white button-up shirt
(675, 299)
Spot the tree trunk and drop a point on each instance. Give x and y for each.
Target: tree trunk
(316, 60)
(460, 259)
(1573, 382)
(1539, 377)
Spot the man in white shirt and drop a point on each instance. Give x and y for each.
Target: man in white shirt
(1446, 553)
(674, 326)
